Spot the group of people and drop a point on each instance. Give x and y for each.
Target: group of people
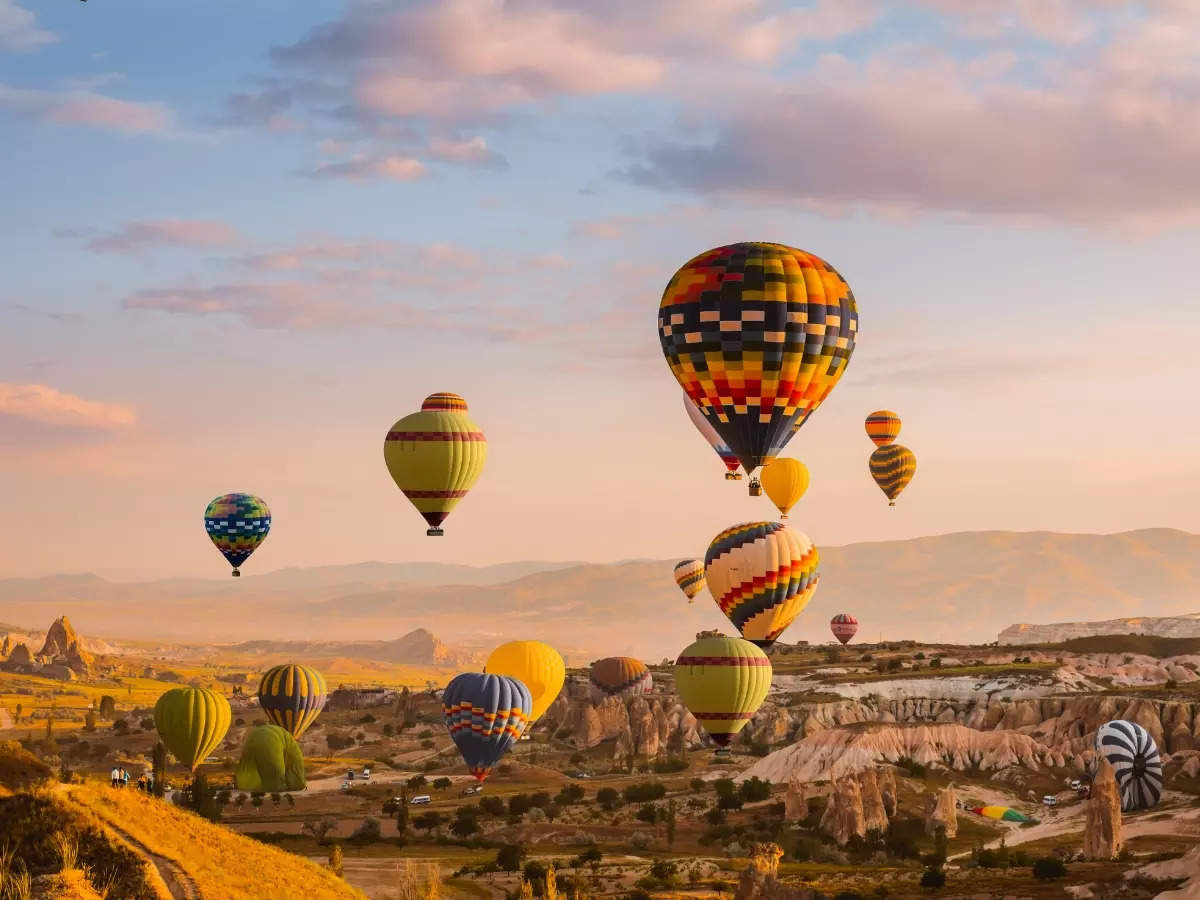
(120, 778)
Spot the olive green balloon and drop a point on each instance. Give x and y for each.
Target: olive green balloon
(192, 723)
(271, 762)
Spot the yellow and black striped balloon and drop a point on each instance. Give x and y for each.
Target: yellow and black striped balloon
(292, 696)
(893, 467)
(883, 427)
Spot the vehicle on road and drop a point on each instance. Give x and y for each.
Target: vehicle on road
(420, 800)
(1050, 800)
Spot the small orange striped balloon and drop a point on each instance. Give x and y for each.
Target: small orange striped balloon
(883, 427)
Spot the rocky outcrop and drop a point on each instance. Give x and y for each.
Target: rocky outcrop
(63, 647)
(591, 724)
(795, 802)
(874, 816)
(5, 647)
(843, 817)
(759, 880)
(941, 812)
(887, 790)
(19, 660)
(1167, 626)
(1102, 830)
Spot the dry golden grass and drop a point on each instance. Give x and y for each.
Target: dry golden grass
(69, 884)
(223, 863)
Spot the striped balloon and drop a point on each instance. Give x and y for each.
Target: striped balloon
(485, 715)
(237, 524)
(722, 681)
(714, 440)
(1135, 760)
(292, 696)
(762, 575)
(619, 676)
(435, 456)
(844, 626)
(893, 467)
(689, 575)
(883, 427)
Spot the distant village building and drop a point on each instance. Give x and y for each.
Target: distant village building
(361, 698)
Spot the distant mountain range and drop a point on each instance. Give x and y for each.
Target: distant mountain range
(1169, 627)
(963, 587)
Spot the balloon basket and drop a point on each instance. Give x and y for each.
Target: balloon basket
(733, 476)
(236, 574)
(891, 503)
(434, 532)
(755, 489)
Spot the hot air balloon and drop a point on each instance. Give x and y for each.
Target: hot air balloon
(435, 456)
(192, 723)
(689, 575)
(762, 574)
(292, 696)
(883, 427)
(785, 481)
(844, 626)
(536, 665)
(757, 334)
(619, 676)
(271, 762)
(237, 524)
(722, 681)
(485, 715)
(714, 439)
(1001, 813)
(1135, 760)
(893, 467)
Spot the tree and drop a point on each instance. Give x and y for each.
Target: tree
(464, 826)
(120, 727)
(648, 813)
(159, 763)
(589, 857)
(519, 804)
(607, 798)
(646, 792)
(1048, 867)
(570, 793)
(89, 721)
(108, 707)
(368, 831)
(492, 805)
(201, 798)
(670, 820)
(934, 878)
(17, 717)
(754, 790)
(508, 857)
(441, 784)
(319, 828)
(417, 781)
(402, 812)
(724, 787)
(428, 821)
(335, 860)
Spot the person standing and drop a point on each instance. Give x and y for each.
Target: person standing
(124, 777)
(116, 776)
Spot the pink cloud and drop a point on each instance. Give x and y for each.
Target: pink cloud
(362, 168)
(83, 108)
(47, 406)
(292, 305)
(166, 233)
(18, 29)
(468, 151)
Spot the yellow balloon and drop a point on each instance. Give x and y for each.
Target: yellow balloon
(785, 481)
(536, 665)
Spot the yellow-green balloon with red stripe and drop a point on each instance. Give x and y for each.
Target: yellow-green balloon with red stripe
(192, 722)
(722, 681)
(292, 696)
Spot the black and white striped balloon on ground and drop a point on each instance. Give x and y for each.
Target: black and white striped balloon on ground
(1134, 757)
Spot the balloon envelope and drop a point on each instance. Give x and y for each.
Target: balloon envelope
(292, 696)
(237, 524)
(435, 456)
(689, 576)
(722, 681)
(536, 665)
(893, 467)
(715, 440)
(619, 676)
(883, 427)
(761, 574)
(785, 481)
(192, 723)
(1000, 813)
(485, 715)
(271, 762)
(757, 334)
(844, 626)
(1135, 760)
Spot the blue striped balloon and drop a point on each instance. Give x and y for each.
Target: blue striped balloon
(485, 715)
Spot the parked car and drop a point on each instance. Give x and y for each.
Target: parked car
(345, 785)
(1050, 800)
(1076, 784)
(420, 799)
(472, 789)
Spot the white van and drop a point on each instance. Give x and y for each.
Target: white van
(1050, 800)
(420, 799)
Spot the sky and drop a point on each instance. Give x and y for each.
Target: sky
(240, 240)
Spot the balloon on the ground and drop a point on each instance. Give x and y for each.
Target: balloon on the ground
(1134, 756)
(715, 441)
(618, 676)
(192, 722)
(761, 574)
(689, 576)
(271, 762)
(893, 467)
(237, 524)
(757, 334)
(883, 427)
(536, 665)
(292, 696)
(722, 681)
(435, 456)
(785, 480)
(1001, 813)
(844, 626)
(485, 715)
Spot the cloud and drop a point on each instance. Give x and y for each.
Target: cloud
(615, 227)
(48, 314)
(136, 236)
(45, 405)
(362, 168)
(85, 108)
(291, 305)
(18, 29)
(468, 151)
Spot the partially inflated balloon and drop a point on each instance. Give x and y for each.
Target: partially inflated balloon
(844, 626)
(292, 696)
(435, 456)
(192, 723)
(237, 524)
(1137, 764)
(883, 427)
(619, 676)
(715, 441)
(722, 681)
(893, 467)
(785, 481)
(271, 762)
(689, 575)
(757, 334)
(485, 715)
(536, 665)
(762, 574)
(1003, 813)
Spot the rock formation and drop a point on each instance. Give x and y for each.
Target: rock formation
(1168, 626)
(625, 748)
(759, 880)
(887, 790)
(843, 816)
(5, 647)
(19, 660)
(1102, 831)
(795, 802)
(62, 646)
(874, 815)
(941, 812)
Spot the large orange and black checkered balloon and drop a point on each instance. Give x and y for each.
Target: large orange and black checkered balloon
(758, 335)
